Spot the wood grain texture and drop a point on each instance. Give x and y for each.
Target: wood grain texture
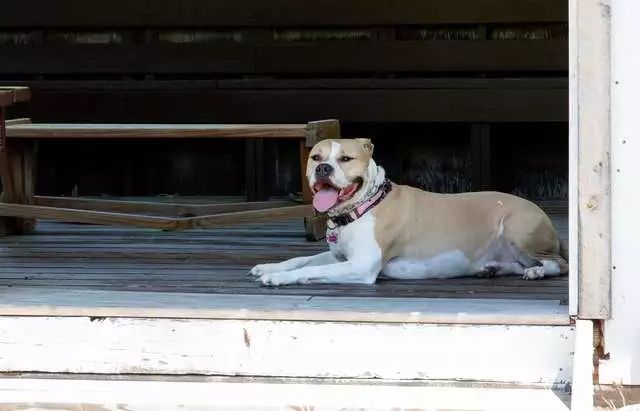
(91, 217)
(87, 257)
(286, 349)
(593, 121)
(60, 392)
(44, 301)
(155, 208)
(13, 94)
(17, 121)
(146, 221)
(154, 131)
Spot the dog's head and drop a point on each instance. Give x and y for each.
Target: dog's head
(339, 173)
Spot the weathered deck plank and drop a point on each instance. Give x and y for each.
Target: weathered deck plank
(79, 257)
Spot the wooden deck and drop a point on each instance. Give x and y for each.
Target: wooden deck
(86, 257)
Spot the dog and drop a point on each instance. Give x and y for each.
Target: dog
(376, 227)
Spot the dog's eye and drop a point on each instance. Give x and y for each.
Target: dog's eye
(344, 159)
(316, 157)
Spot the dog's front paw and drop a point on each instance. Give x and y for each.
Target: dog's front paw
(277, 279)
(261, 269)
(533, 273)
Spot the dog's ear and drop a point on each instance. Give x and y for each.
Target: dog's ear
(367, 145)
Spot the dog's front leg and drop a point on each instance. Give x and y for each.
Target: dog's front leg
(294, 263)
(353, 271)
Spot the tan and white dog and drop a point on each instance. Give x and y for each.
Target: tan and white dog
(376, 227)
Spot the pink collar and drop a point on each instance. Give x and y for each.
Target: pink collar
(360, 210)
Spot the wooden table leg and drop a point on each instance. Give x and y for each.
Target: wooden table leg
(315, 225)
(17, 171)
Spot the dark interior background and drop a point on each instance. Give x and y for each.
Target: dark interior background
(457, 95)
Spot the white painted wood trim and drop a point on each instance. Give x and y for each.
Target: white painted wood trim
(592, 120)
(95, 303)
(582, 386)
(573, 158)
(622, 331)
(80, 345)
(171, 395)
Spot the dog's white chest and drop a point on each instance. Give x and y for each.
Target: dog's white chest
(345, 240)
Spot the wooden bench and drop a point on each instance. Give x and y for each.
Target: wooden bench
(20, 206)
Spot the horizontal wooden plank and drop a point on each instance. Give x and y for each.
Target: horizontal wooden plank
(154, 131)
(287, 349)
(414, 56)
(16, 121)
(253, 216)
(336, 57)
(161, 208)
(366, 83)
(62, 302)
(13, 95)
(91, 217)
(199, 13)
(63, 392)
(259, 106)
(164, 223)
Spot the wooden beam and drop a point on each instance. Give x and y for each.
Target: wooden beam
(221, 220)
(155, 131)
(287, 349)
(61, 302)
(347, 57)
(92, 217)
(13, 94)
(18, 121)
(65, 392)
(206, 13)
(157, 208)
(443, 100)
(135, 220)
(592, 128)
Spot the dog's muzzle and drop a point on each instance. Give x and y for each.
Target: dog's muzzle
(324, 170)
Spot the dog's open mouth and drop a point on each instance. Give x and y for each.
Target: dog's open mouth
(327, 196)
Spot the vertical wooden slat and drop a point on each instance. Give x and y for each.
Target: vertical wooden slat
(250, 169)
(593, 127)
(304, 157)
(261, 178)
(481, 156)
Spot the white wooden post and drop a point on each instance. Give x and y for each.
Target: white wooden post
(622, 332)
(590, 157)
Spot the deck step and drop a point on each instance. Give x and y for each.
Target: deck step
(524, 354)
(190, 393)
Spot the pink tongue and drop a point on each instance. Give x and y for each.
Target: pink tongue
(325, 199)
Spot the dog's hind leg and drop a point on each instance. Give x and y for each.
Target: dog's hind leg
(549, 267)
(497, 268)
(446, 265)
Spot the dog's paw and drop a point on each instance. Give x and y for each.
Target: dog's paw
(261, 269)
(533, 273)
(488, 270)
(277, 279)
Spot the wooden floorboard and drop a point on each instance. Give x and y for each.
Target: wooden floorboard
(86, 257)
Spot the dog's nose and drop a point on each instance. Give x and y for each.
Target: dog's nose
(324, 170)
